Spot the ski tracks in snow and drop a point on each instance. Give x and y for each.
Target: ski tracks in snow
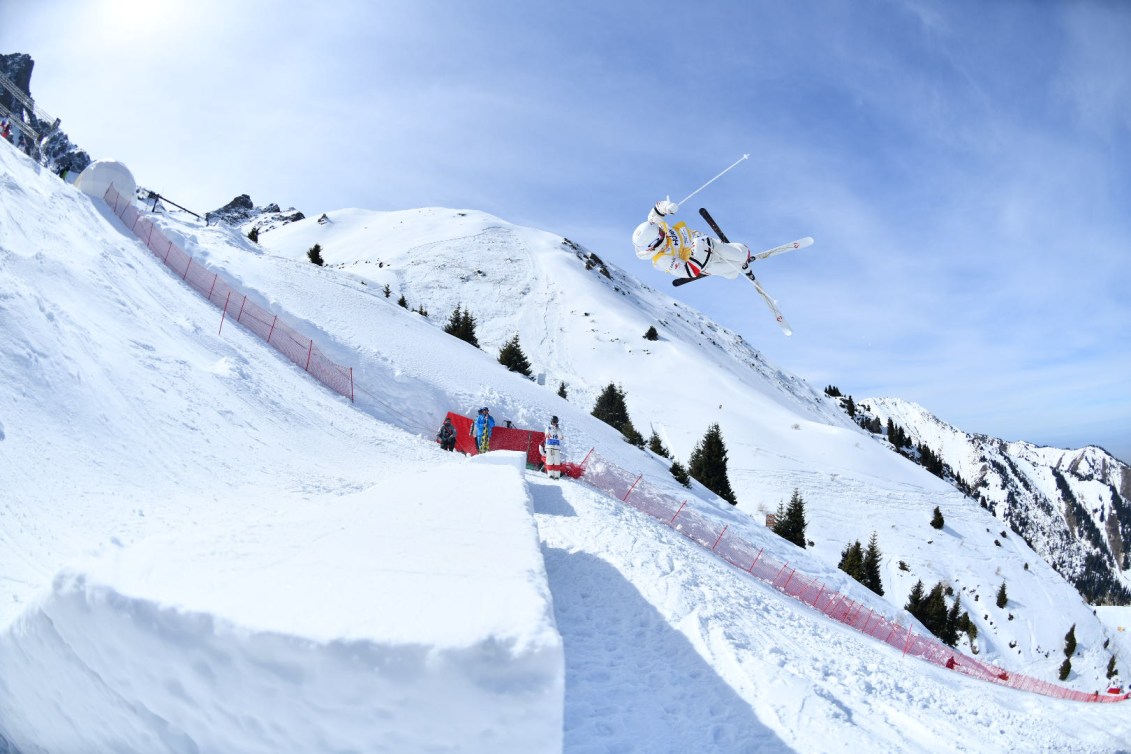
(661, 636)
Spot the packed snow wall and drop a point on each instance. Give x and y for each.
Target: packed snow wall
(375, 621)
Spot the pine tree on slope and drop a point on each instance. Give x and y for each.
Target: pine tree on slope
(791, 520)
(708, 464)
(512, 357)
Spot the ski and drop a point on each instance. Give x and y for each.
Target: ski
(800, 243)
(714, 225)
(770, 302)
(684, 281)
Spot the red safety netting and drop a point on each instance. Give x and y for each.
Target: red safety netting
(235, 305)
(660, 503)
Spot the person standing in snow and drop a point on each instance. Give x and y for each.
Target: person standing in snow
(447, 435)
(6, 129)
(552, 449)
(481, 429)
(680, 251)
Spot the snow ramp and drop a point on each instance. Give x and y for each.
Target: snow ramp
(366, 622)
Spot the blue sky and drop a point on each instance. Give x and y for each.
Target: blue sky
(964, 166)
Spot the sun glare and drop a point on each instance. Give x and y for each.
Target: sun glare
(123, 20)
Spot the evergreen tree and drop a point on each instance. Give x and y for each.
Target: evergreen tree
(929, 461)
(388, 291)
(402, 302)
(1111, 670)
(1070, 641)
(852, 561)
(657, 446)
(791, 521)
(832, 391)
(421, 311)
(915, 598)
(467, 328)
(512, 357)
(631, 435)
(680, 473)
(611, 407)
(949, 636)
(651, 334)
(1065, 669)
(933, 611)
(937, 519)
(871, 565)
(315, 255)
(452, 328)
(1002, 597)
(708, 465)
(253, 235)
(462, 325)
(850, 406)
(562, 391)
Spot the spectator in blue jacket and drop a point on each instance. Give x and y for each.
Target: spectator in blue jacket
(481, 429)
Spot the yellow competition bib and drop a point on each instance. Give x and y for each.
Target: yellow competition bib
(677, 242)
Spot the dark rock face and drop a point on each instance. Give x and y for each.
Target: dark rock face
(242, 212)
(236, 211)
(18, 68)
(55, 152)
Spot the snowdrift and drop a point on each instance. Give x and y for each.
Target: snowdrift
(370, 623)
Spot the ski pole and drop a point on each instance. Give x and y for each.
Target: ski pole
(717, 177)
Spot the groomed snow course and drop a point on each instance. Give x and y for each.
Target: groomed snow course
(290, 606)
(217, 439)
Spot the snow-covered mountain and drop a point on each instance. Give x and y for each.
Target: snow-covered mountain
(241, 211)
(1073, 507)
(203, 549)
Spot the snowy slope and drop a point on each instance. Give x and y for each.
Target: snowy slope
(181, 461)
(1072, 506)
(584, 328)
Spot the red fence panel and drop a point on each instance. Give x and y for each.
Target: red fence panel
(670, 508)
(289, 342)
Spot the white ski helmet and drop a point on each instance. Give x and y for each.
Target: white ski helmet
(647, 236)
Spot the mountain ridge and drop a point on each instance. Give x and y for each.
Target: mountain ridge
(1070, 505)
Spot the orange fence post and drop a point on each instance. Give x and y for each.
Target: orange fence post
(630, 489)
(225, 314)
(724, 531)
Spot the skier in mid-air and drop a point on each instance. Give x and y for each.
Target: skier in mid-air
(680, 251)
